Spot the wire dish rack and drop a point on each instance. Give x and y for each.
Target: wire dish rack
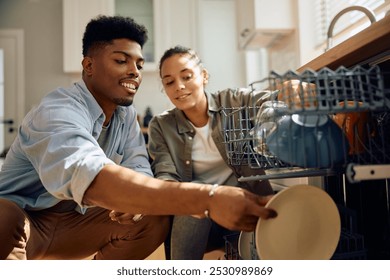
(351, 244)
(319, 123)
(350, 247)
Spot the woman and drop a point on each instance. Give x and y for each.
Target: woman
(186, 145)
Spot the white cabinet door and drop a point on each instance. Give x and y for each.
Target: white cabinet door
(261, 22)
(76, 15)
(147, 13)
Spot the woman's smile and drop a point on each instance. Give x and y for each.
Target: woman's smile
(183, 96)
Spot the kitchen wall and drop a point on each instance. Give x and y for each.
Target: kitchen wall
(209, 26)
(41, 21)
(210, 29)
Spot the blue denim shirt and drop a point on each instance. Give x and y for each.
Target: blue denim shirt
(56, 156)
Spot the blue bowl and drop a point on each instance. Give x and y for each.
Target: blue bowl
(308, 141)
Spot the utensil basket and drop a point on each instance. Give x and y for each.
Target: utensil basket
(364, 87)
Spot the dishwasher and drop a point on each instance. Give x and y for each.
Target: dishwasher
(354, 171)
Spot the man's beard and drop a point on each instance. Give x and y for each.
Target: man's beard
(123, 102)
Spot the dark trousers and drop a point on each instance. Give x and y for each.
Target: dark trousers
(48, 234)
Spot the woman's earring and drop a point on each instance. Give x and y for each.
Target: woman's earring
(205, 78)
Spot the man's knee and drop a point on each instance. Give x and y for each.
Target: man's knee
(159, 226)
(13, 227)
(139, 240)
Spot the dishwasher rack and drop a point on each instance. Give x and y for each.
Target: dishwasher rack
(365, 90)
(350, 247)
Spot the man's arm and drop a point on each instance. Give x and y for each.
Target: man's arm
(125, 190)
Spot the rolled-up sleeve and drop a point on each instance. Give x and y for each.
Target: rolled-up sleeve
(163, 164)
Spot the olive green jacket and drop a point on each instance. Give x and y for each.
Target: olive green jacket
(171, 139)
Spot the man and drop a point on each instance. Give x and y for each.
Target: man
(78, 173)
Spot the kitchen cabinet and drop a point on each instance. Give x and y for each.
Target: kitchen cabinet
(261, 23)
(146, 12)
(76, 15)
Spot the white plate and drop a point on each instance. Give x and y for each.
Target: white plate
(244, 245)
(307, 226)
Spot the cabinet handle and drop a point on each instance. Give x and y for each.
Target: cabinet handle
(245, 32)
(7, 121)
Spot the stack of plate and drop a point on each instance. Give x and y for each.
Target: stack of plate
(247, 246)
(307, 227)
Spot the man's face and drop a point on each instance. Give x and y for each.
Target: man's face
(113, 73)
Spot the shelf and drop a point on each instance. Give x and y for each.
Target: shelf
(280, 173)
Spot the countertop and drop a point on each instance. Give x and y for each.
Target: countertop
(370, 44)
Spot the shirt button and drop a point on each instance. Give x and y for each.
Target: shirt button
(187, 162)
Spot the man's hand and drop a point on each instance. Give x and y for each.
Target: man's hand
(125, 218)
(238, 209)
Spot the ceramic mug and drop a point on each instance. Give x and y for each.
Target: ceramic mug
(356, 126)
(296, 93)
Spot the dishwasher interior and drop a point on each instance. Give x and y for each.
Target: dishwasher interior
(299, 137)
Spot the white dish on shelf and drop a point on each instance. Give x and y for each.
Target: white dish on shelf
(307, 226)
(244, 245)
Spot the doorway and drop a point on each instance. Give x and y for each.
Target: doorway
(12, 81)
(1, 97)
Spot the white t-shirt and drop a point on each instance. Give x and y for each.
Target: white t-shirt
(209, 166)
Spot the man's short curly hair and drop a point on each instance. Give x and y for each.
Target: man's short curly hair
(102, 30)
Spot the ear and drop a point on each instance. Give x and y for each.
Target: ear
(205, 74)
(87, 65)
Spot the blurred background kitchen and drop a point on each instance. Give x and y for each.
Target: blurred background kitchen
(240, 41)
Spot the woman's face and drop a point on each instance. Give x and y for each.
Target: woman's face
(183, 81)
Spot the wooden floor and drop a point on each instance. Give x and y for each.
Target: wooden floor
(159, 254)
